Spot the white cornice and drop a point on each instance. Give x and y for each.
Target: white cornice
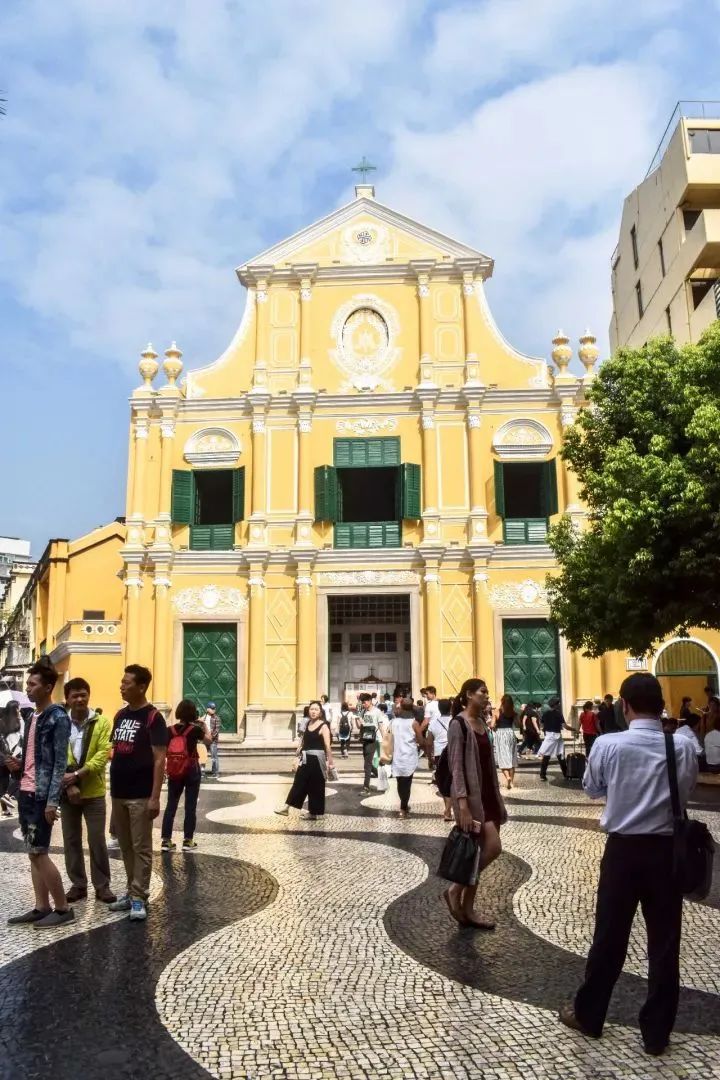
(282, 252)
(239, 408)
(530, 554)
(69, 648)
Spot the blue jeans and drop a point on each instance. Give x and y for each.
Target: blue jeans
(191, 786)
(215, 755)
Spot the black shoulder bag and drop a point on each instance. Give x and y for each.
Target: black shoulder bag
(693, 846)
(460, 859)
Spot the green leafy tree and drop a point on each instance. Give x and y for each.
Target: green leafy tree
(647, 456)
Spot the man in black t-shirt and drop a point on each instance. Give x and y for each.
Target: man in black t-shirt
(139, 746)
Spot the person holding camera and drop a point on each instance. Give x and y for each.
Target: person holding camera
(84, 792)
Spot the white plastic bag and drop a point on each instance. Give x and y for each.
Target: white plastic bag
(383, 779)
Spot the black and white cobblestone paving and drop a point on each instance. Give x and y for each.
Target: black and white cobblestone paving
(291, 949)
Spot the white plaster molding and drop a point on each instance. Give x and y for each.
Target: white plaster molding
(540, 378)
(521, 594)
(306, 295)
(474, 421)
(428, 421)
(431, 579)
(142, 429)
(258, 426)
(133, 582)
(255, 581)
(364, 242)
(167, 429)
(368, 577)
(210, 599)
(423, 291)
(213, 446)
(261, 296)
(366, 371)
(304, 582)
(522, 438)
(305, 425)
(568, 415)
(366, 425)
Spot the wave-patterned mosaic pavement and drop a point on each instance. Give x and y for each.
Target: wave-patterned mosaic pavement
(292, 949)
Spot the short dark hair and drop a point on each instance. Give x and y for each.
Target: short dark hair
(587, 705)
(44, 668)
(643, 693)
(76, 684)
(186, 711)
(382, 707)
(444, 705)
(430, 690)
(141, 675)
(609, 696)
(365, 696)
(686, 699)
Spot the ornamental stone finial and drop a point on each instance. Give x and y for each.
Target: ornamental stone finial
(173, 364)
(562, 353)
(588, 352)
(148, 366)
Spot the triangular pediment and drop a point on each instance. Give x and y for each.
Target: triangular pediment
(364, 233)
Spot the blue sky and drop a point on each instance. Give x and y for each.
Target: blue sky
(148, 149)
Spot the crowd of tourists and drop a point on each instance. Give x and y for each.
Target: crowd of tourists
(643, 763)
(54, 763)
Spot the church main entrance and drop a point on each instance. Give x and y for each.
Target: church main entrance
(368, 644)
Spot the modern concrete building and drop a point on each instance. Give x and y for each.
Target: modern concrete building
(666, 266)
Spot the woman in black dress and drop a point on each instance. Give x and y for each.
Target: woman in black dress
(314, 759)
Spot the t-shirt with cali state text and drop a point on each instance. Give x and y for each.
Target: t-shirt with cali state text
(135, 733)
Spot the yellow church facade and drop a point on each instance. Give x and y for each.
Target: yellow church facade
(357, 492)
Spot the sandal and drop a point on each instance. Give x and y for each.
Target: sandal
(478, 924)
(456, 917)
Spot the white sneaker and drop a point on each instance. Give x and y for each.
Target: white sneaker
(113, 843)
(283, 811)
(138, 911)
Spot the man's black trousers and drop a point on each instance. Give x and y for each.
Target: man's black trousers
(635, 870)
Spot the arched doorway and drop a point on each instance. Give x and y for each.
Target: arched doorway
(685, 667)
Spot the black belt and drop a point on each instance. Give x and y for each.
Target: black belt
(639, 836)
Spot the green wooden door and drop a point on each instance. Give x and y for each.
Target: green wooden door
(210, 669)
(531, 665)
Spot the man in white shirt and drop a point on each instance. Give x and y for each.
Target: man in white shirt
(688, 729)
(629, 769)
(712, 748)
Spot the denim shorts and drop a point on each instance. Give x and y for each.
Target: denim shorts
(35, 828)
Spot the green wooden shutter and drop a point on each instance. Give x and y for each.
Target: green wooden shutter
(183, 497)
(549, 488)
(410, 486)
(366, 453)
(341, 453)
(326, 493)
(499, 489)
(238, 494)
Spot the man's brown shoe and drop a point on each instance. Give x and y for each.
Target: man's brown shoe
(75, 893)
(569, 1019)
(105, 896)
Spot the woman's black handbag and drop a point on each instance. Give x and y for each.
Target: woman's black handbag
(460, 861)
(693, 845)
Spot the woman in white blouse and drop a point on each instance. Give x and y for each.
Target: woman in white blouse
(407, 738)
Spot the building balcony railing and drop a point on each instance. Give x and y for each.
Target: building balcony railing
(84, 631)
(368, 534)
(525, 530)
(691, 110)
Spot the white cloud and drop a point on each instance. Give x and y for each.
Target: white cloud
(526, 172)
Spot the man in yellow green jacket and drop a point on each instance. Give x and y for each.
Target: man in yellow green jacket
(84, 786)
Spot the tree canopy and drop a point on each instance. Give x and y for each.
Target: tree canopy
(647, 455)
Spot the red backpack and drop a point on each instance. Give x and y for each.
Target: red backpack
(179, 761)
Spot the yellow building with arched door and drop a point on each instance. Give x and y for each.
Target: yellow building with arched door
(357, 491)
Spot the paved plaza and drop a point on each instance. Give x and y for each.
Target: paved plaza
(286, 948)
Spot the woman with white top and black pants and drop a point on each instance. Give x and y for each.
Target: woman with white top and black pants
(407, 739)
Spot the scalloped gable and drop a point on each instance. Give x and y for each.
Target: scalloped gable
(364, 232)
